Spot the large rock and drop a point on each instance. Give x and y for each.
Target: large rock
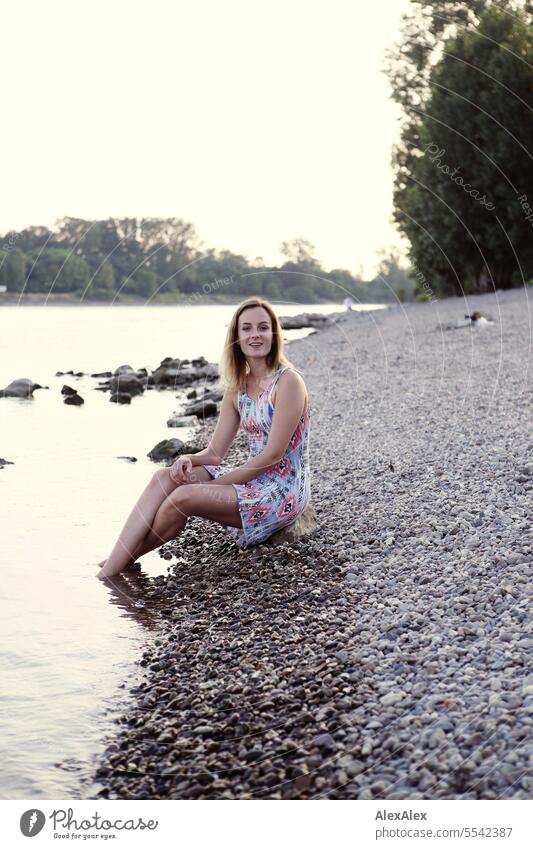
(305, 319)
(23, 387)
(302, 527)
(213, 395)
(120, 398)
(73, 400)
(126, 381)
(176, 420)
(175, 372)
(169, 449)
(202, 409)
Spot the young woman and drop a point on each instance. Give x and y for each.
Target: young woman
(267, 398)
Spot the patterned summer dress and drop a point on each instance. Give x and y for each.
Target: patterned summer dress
(277, 497)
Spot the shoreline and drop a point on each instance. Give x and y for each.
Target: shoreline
(386, 656)
(36, 299)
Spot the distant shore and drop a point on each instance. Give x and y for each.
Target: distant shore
(385, 657)
(63, 299)
(168, 299)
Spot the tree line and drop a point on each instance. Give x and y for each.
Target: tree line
(157, 259)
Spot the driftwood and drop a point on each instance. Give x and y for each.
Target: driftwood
(302, 527)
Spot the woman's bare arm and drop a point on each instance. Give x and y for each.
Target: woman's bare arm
(223, 436)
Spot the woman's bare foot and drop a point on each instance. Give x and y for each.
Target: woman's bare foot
(131, 565)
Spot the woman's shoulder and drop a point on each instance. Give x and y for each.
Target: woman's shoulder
(291, 377)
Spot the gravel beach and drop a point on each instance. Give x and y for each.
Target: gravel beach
(389, 655)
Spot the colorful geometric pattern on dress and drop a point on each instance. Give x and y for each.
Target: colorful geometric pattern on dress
(277, 497)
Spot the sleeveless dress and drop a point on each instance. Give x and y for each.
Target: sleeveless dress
(277, 497)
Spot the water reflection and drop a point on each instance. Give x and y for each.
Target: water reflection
(129, 591)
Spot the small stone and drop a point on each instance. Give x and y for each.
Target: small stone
(392, 698)
(324, 741)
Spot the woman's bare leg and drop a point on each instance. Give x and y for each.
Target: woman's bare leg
(137, 537)
(145, 545)
(148, 543)
(218, 503)
(116, 562)
(140, 519)
(134, 557)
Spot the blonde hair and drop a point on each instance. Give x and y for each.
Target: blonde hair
(233, 367)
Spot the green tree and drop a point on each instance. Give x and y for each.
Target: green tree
(56, 270)
(394, 276)
(142, 282)
(300, 253)
(463, 159)
(13, 264)
(102, 283)
(271, 288)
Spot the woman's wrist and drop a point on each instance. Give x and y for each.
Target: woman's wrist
(204, 457)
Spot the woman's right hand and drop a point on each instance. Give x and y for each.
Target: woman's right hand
(180, 467)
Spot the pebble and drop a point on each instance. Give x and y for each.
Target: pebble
(392, 698)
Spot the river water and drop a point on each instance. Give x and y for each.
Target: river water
(69, 642)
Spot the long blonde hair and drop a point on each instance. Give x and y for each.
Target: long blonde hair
(233, 367)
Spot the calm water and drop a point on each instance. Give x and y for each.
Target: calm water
(69, 642)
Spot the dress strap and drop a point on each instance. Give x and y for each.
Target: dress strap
(274, 382)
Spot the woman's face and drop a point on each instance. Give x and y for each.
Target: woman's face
(254, 332)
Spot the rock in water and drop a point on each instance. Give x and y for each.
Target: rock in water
(23, 387)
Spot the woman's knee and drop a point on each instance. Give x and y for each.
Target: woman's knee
(197, 474)
(162, 479)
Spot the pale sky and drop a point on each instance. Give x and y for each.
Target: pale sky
(258, 122)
